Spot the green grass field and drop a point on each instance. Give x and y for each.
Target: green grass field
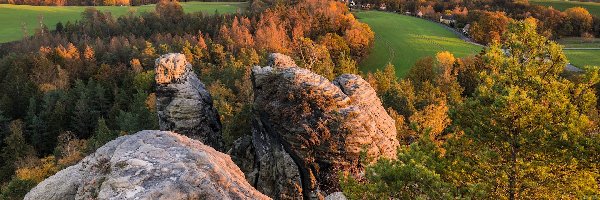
(14, 17)
(402, 40)
(577, 42)
(581, 58)
(594, 8)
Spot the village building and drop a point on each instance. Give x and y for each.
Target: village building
(420, 14)
(447, 19)
(465, 29)
(366, 6)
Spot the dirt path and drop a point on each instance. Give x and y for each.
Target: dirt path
(391, 51)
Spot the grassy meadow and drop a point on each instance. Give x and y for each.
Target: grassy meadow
(402, 40)
(561, 5)
(15, 18)
(577, 42)
(581, 58)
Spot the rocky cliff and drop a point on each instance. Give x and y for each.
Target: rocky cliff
(149, 165)
(183, 103)
(307, 129)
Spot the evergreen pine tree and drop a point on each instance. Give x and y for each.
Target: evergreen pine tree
(83, 118)
(139, 117)
(101, 136)
(16, 149)
(35, 128)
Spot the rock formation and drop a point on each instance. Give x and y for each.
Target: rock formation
(183, 103)
(149, 165)
(307, 129)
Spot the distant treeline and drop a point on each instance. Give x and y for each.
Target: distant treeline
(92, 2)
(489, 19)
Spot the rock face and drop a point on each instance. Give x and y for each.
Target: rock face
(307, 129)
(149, 165)
(183, 103)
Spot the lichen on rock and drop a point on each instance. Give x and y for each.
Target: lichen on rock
(149, 165)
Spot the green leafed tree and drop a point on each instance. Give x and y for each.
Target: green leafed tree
(16, 149)
(101, 136)
(16, 189)
(138, 117)
(83, 117)
(35, 126)
(412, 175)
(527, 130)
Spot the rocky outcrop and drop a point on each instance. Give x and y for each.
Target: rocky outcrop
(307, 129)
(183, 103)
(336, 196)
(149, 165)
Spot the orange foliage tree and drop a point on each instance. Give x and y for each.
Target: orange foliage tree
(580, 20)
(489, 27)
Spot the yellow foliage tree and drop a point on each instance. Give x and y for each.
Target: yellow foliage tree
(44, 169)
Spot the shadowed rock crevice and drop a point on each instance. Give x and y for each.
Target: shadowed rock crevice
(183, 103)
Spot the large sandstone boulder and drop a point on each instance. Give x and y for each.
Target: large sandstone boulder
(183, 103)
(307, 129)
(149, 165)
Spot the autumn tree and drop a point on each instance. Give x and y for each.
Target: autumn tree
(169, 9)
(271, 35)
(360, 39)
(148, 55)
(314, 57)
(580, 20)
(240, 32)
(489, 27)
(526, 128)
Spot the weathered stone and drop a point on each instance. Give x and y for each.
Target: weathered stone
(183, 103)
(322, 126)
(336, 196)
(373, 129)
(280, 61)
(243, 154)
(277, 174)
(149, 165)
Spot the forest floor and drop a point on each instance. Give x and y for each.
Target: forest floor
(18, 20)
(402, 40)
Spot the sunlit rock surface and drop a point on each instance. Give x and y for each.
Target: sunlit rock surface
(149, 165)
(183, 103)
(307, 129)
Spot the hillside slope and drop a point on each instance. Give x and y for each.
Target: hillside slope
(13, 18)
(594, 8)
(402, 40)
